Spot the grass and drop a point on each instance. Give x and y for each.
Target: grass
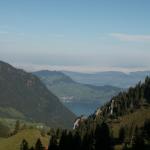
(132, 120)
(136, 118)
(8, 111)
(11, 123)
(118, 147)
(31, 135)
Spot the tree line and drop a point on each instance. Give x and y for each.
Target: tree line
(95, 133)
(94, 139)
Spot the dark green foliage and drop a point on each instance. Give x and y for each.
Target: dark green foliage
(17, 127)
(24, 145)
(26, 94)
(38, 145)
(147, 89)
(137, 140)
(76, 142)
(4, 130)
(53, 143)
(70, 141)
(64, 141)
(121, 134)
(95, 134)
(102, 137)
(58, 132)
(87, 142)
(130, 101)
(91, 139)
(146, 130)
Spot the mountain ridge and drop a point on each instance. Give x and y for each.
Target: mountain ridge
(114, 78)
(27, 94)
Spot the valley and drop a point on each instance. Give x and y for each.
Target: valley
(82, 99)
(74, 75)
(121, 123)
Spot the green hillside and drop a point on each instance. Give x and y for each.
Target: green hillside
(123, 123)
(134, 119)
(127, 116)
(24, 96)
(13, 142)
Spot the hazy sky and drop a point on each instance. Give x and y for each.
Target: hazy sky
(80, 35)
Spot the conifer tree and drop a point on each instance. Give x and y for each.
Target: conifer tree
(63, 144)
(17, 127)
(38, 145)
(31, 148)
(24, 145)
(53, 143)
(76, 145)
(146, 130)
(121, 134)
(102, 137)
(87, 142)
(137, 140)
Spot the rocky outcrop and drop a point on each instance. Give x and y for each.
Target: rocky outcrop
(79, 121)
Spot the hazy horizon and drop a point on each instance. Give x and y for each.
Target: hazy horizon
(78, 69)
(81, 36)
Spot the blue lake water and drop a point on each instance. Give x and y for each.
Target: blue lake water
(80, 108)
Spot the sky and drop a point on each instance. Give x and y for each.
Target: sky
(76, 35)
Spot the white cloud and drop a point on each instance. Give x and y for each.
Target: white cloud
(131, 38)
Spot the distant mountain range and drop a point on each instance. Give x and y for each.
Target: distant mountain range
(113, 78)
(80, 98)
(24, 96)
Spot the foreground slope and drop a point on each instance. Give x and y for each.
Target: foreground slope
(26, 97)
(127, 102)
(13, 142)
(127, 116)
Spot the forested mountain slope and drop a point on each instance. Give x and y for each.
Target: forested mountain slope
(23, 95)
